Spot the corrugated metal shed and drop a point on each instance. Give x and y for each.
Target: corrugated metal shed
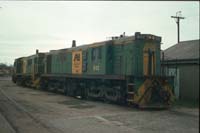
(183, 50)
(182, 62)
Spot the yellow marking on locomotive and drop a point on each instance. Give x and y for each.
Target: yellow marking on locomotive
(36, 83)
(153, 64)
(145, 64)
(143, 95)
(24, 66)
(152, 48)
(77, 62)
(168, 88)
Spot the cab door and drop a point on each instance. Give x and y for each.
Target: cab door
(149, 60)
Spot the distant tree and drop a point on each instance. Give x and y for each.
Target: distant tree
(3, 65)
(5, 69)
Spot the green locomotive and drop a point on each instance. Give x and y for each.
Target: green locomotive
(124, 69)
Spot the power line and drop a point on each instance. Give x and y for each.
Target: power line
(177, 18)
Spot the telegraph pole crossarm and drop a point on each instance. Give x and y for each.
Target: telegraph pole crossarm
(178, 18)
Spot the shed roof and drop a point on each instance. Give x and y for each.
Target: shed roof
(183, 51)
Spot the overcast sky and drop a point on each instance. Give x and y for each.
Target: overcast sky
(47, 25)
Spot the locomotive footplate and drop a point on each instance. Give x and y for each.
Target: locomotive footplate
(152, 93)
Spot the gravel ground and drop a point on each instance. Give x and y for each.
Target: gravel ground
(25, 110)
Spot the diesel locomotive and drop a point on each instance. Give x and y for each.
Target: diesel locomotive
(123, 69)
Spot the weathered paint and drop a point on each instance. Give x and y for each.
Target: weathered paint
(59, 62)
(139, 98)
(145, 92)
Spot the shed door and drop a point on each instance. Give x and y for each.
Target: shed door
(175, 73)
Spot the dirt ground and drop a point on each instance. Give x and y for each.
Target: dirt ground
(25, 110)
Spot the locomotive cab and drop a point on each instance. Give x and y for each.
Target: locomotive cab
(150, 89)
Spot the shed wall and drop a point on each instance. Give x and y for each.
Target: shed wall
(188, 78)
(189, 82)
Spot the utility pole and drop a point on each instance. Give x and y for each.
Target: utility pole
(177, 19)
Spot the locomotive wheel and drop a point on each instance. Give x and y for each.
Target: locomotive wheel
(165, 95)
(65, 87)
(52, 87)
(72, 89)
(94, 93)
(43, 85)
(84, 93)
(112, 94)
(18, 82)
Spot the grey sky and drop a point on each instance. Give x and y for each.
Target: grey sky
(47, 25)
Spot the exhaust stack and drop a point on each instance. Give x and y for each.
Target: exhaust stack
(73, 43)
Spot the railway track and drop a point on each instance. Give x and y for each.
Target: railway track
(19, 119)
(33, 111)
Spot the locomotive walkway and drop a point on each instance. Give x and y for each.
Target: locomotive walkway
(25, 110)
